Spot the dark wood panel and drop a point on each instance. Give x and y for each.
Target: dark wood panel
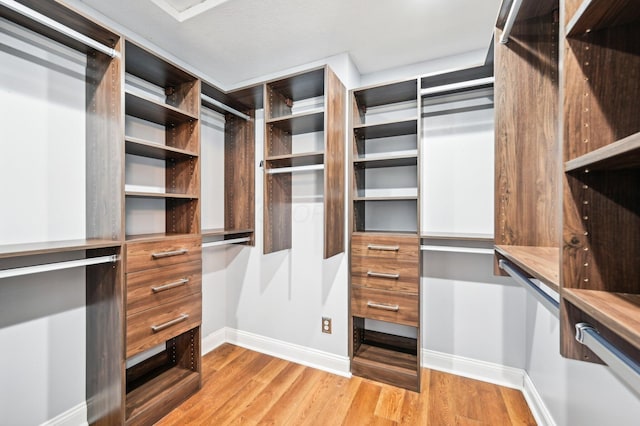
(304, 85)
(296, 124)
(385, 130)
(137, 105)
(183, 177)
(622, 154)
(182, 216)
(185, 97)
(239, 173)
(382, 246)
(387, 93)
(277, 142)
(526, 155)
(140, 255)
(593, 15)
(334, 179)
(105, 345)
(277, 212)
(150, 67)
(373, 304)
(398, 275)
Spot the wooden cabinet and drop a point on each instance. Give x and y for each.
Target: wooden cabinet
(384, 243)
(600, 199)
(310, 103)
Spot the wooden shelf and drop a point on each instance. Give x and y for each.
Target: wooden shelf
(50, 247)
(137, 146)
(148, 66)
(455, 236)
(140, 106)
(402, 91)
(386, 161)
(387, 129)
(139, 194)
(171, 385)
(622, 154)
(219, 232)
(387, 358)
(305, 85)
(293, 160)
(593, 15)
(390, 198)
(295, 124)
(542, 263)
(383, 233)
(160, 236)
(616, 311)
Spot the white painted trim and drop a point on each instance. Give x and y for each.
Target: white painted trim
(314, 358)
(213, 340)
(537, 406)
(474, 369)
(74, 416)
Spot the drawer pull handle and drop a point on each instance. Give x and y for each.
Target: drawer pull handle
(383, 306)
(383, 275)
(169, 253)
(383, 248)
(168, 324)
(169, 286)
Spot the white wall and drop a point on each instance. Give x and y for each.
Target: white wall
(42, 316)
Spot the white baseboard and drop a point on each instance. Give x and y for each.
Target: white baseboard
(213, 340)
(291, 352)
(76, 416)
(536, 404)
(474, 369)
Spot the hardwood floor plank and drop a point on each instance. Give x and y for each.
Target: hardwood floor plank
(242, 387)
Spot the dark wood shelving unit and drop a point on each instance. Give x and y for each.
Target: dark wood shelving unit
(281, 125)
(141, 106)
(594, 15)
(144, 148)
(387, 129)
(541, 263)
(619, 155)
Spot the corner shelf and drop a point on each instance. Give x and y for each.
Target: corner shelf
(619, 155)
(145, 148)
(594, 15)
(542, 263)
(146, 108)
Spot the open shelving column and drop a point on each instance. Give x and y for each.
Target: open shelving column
(527, 144)
(601, 202)
(291, 109)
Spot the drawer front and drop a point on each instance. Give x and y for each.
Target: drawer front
(385, 274)
(153, 287)
(395, 247)
(400, 308)
(141, 256)
(149, 328)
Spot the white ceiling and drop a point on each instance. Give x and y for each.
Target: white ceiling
(236, 40)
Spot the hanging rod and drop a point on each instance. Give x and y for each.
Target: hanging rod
(227, 108)
(549, 302)
(623, 366)
(454, 249)
(457, 86)
(295, 169)
(57, 26)
(225, 242)
(46, 267)
(511, 19)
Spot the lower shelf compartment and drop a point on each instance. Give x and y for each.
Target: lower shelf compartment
(387, 358)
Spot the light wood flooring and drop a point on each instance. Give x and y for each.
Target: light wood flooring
(242, 387)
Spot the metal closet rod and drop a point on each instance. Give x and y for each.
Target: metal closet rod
(226, 242)
(57, 26)
(511, 19)
(47, 267)
(225, 107)
(522, 279)
(623, 366)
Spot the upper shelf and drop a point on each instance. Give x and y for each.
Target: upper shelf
(136, 146)
(295, 124)
(616, 311)
(542, 263)
(529, 9)
(150, 67)
(386, 94)
(50, 247)
(593, 15)
(388, 129)
(622, 154)
(146, 108)
(309, 84)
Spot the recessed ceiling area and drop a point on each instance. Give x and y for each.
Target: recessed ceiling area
(237, 40)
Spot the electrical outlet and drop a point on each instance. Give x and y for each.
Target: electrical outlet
(326, 325)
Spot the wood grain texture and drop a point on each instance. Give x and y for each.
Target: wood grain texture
(279, 392)
(542, 263)
(408, 312)
(334, 192)
(526, 154)
(622, 154)
(139, 256)
(239, 173)
(365, 272)
(105, 386)
(47, 247)
(593, 15)
(277, 212)
(148, 66)
(368, 245)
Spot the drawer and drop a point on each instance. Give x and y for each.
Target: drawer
(385, 274)
(396, 247)
(400, 308)
(149, 328)
(146, 255)
(153, 287)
